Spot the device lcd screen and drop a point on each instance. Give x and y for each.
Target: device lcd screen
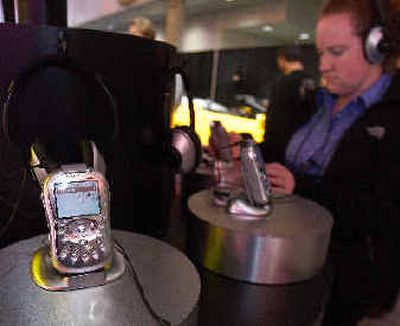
(77, 199)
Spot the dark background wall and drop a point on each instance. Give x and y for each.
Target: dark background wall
(258, 66)
(199, 68)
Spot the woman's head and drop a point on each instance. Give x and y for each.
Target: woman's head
(368, 13)
(143, 27)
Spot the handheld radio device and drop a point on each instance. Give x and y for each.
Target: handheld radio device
(258, 187)
(256, 203)
(76, 203)
(67, 165)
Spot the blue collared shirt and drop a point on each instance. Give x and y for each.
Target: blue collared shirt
(312, 146)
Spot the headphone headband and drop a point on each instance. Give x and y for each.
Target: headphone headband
(42, 161)
(18, 85)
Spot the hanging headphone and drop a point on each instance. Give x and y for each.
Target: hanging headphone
(376, 43)
(186, 145)
(49, 152)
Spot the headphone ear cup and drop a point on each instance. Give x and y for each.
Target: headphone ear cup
(373, 45)
(186, 147)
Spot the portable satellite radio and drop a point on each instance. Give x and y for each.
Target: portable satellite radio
(256, 203)
(76, 203)
(258, 187)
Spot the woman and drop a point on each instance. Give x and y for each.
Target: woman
(347, 158)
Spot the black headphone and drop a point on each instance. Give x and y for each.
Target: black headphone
(47, 152)
(186, 144)
(376, 43)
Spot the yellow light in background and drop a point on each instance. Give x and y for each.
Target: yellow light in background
(232, 123)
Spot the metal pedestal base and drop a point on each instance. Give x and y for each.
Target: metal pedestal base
(289, 245)
(45, 276)
(165, 278)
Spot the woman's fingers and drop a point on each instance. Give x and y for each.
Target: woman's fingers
(282, 180)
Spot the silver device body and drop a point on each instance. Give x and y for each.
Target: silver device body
(258, 187)
(76, 203)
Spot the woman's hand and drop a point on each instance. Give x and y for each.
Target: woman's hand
(282, 180)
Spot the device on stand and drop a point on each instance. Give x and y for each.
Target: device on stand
(70, 171)
(257, 199)
(76, 200)
(223, 164)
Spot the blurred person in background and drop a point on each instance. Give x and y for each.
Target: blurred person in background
(142, 27)
(285, 112)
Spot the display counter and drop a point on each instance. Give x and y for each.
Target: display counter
(288, 245)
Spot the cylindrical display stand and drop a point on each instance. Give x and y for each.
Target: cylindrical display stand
(168, 280)
(289, 245)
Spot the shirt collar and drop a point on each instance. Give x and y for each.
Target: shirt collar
(371, 96)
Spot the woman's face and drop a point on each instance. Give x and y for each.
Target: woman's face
(342, 64)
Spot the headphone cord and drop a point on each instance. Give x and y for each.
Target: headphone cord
(160, 320)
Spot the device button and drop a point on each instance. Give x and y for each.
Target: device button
(83, 242)
(81, 230)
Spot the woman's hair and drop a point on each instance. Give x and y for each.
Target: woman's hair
(361, 11)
